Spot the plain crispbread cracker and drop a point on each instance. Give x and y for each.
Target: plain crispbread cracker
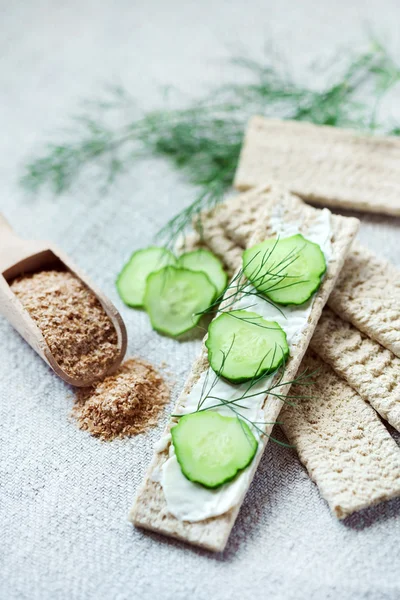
(341, 441)
(325, 165)
(370, 369)
(150, 509)
(367, 293)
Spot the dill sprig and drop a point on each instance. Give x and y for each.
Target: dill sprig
(238, 288)
(204, 139)
(268, 274)
(236, 406)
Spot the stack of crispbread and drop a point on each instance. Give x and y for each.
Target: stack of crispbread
(354, 343)
(339, 437)
(150, 510)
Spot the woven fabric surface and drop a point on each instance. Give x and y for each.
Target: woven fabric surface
(65, 496)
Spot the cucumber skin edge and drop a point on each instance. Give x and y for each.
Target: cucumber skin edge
(218, 292)
(164, 331)
(227, 480)
(317, 286)
(266, 371)
(119, 293)
(130, 305)
(168, 333)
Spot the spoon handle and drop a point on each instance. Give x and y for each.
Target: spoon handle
(13, 249)
(5, 226)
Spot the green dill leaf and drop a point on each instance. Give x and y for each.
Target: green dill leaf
(204, 139)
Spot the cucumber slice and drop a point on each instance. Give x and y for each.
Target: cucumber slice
(211, 449)
(242, 345)
(287, 270)
(174, 297)
(206, 261)
(131, 282)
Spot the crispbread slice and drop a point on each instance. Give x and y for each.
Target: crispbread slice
(150, 510)
(326, 165)
(349, 480)
(370, 369)
(341, 441)
(367, 293)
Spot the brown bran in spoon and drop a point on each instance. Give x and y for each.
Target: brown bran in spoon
(75, 326)
(123, 404)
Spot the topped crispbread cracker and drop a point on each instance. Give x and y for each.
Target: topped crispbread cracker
(325, 165)
(367, 293)
(150, 510)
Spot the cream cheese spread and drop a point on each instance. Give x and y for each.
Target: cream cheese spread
(190, 501)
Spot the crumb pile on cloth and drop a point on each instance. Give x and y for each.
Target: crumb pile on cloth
(125, 403)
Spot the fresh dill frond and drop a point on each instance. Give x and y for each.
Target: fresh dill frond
(238, 288)
(204, 139)
(270, 276)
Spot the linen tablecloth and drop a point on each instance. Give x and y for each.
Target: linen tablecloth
(65, 496)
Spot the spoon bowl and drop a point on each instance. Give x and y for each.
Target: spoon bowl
(19, 257)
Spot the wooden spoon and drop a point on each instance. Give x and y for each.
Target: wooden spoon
(19, 256)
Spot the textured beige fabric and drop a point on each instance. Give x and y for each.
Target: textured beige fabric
(326, 165)
(339, 438)
(372, 370)
(150, 509)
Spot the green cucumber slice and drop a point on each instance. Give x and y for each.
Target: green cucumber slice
(287, 270)
(211, 449)
(205, 261)
(242, 345)
(174, 297)
(131, 282)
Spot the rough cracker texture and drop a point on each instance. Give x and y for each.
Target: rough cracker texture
(372, 370)
(368, 295)
(189, 242)
(75, 326)
(367, 292)
(125, 403)
(150, 509)
(342, 443)
(326, 165)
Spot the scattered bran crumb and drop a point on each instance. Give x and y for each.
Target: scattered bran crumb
(125, 403)
(75, 326)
